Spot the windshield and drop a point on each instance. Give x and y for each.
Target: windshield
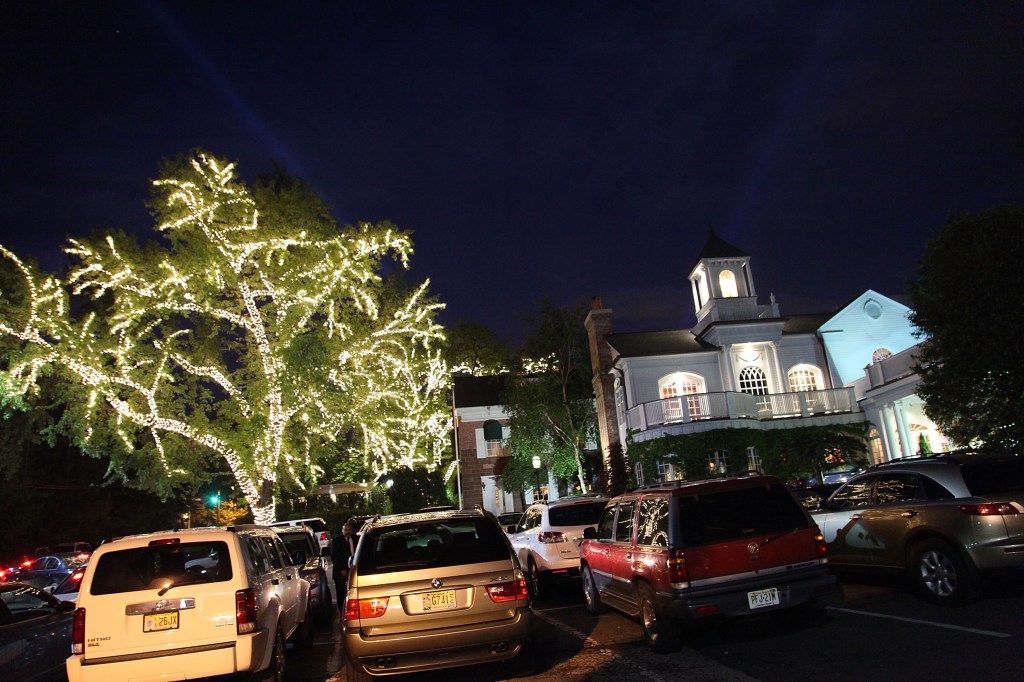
(451, 542)
(738, 514)
(576, 514)
(158, 566)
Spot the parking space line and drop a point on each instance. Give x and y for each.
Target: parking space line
(588, 641)
(987, 633)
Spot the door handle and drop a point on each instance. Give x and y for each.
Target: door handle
(854, 516)
(275, 581)
(629, 555)
(908, 514)
(289, 576)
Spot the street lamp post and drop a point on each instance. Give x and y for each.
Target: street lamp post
(536, 469)
(215, 499)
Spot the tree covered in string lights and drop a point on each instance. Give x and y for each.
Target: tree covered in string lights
(253, 330)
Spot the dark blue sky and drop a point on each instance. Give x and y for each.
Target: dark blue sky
(564, 148)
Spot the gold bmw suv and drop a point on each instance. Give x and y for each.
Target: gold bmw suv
(433, 590)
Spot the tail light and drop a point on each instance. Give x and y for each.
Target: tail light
(245, 611)
(78, 632)
(989, 509)
(551, 537)
(510, 591)
(678, 574)
(324, 536)
(822, 547)
(366, 608)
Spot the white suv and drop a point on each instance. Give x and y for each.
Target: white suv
(189, 603)
(548, 536)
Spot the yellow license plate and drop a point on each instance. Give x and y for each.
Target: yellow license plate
(438, 601)
(154, 622)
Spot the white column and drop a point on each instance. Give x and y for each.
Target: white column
(906, 435)
(888, 437)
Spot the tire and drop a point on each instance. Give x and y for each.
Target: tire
(275, 671)
(595, 606)
(663, 633)
(303, 637)
(941, 575)
(538, 579)
(354, 674)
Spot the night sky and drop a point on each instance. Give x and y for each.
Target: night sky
(567, 149)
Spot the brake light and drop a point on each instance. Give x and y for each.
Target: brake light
(678, 574)
(366, 608)
(164, 541)
(245, 611)
(78, 632)
(550, 537)
(822, 547)
(510, 591)
(989, 509)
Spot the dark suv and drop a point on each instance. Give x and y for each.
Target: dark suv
(728, 546)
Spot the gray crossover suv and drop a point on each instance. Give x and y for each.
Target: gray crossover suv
(433, 590)
(944, 519)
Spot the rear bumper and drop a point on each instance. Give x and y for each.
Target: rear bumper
(431, 650)
(731, 599)
(246, 653)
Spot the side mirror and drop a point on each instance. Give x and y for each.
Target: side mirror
(50, 588)
(66, 606)
(589, 533)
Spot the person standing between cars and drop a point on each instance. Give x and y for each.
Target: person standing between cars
(343, 546)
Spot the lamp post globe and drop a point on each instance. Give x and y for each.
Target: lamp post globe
(536, 469)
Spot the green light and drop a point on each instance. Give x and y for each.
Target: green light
(214, 499)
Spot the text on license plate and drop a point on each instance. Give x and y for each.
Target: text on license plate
(760, 598)
(160, 621)
(436, 601)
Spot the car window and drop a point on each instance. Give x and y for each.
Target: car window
(427, 544)
(624, 522)
(585, 514)
(606, 524)
(141, 568)
(531, 519)
(737, 514)
(24, 604)
(299, 542)
(853, 495)
(896, 488)
(273, 556)
(988, 477)
(258, 561)
(653, 529)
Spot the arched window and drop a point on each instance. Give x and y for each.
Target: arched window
(682, 384)
(875, 443)
(881, 354)
(753, 381)
(727, 283)
(804, 377)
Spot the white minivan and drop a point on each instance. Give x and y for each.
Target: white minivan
(189, 603)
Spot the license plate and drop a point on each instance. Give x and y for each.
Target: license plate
(153, 622)
(438, 601)
(761, 598)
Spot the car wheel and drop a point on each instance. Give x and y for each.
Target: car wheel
(663, 633)
(595, 606)
(275, 671)
(941, 575)
(303, 637)
(538, 580)
(354, 673)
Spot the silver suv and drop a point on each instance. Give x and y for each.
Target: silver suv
(433, 590)
(187, 604)
(943, 519)
(548, 536)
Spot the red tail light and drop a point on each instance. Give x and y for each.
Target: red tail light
(553, 536)
(366, 608)
(989, 509)
(677, 571)
(245, 611)
(78, 632)
(510, 591)
(324, 536)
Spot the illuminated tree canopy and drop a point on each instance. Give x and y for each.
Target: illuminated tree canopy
(255, 330)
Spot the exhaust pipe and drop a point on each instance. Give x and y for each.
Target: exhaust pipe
(499, 647)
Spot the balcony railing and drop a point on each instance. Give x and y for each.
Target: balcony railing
(731, 405)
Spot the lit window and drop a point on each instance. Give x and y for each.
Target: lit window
(718, 462)
(754, 460)
(681, 384)
(804, 378)
(754, 382)
(495, 448)
(881, 354)
(494, 438)
(875, 443)
(727, 283)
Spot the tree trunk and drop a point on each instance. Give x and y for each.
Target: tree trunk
(264, 512)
